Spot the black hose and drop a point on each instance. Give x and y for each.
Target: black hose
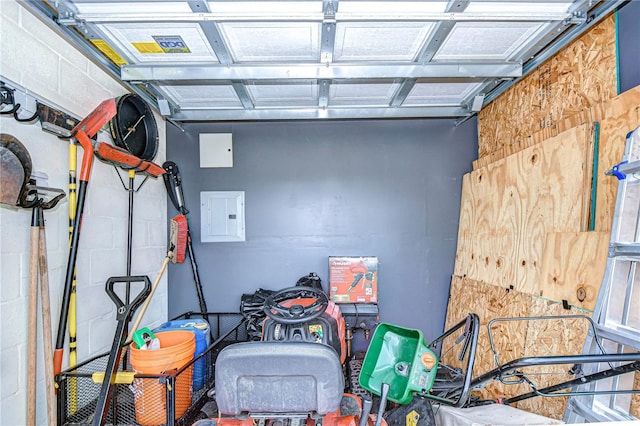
(24, 120)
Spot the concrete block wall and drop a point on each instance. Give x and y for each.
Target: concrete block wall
(34, 57)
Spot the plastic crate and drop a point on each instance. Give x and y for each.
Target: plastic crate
(78, 387)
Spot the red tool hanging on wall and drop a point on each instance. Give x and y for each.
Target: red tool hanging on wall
(137, 127)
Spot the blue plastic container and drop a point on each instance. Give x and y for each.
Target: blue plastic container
(200, 328)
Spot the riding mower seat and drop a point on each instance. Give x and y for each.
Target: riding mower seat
(278, 379)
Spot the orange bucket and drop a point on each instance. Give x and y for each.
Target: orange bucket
(176, 350)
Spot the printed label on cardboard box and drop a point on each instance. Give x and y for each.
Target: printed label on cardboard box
(353, 279)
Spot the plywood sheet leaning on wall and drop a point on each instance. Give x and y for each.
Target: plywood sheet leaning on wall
(466, 240)
(578, 77)
(546, 338)
(509, 206)
(514, 339)
(550, 177)
(573, 265)
(621, 110)
(488, 302)
(479, 217)
(621, 116)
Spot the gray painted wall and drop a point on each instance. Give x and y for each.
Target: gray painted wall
(629, 45)
(388, 188)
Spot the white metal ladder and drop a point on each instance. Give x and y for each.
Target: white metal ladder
(617, 310)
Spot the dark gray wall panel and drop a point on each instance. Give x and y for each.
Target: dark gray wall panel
(315, 189)
(629, 45)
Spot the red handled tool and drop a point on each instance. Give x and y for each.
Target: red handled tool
(83, 133)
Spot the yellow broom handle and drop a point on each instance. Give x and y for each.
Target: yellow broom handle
(144, 307)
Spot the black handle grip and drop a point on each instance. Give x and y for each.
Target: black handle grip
(123, 309)
(173, 184)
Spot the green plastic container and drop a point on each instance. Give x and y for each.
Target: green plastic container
(398, 356)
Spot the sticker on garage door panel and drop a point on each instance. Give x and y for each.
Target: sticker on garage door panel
(147, 47)
(172, 44)
(108, 51)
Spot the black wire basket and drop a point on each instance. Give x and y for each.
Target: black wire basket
(148, 399)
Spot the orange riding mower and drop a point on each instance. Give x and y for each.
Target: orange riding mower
(295, 375)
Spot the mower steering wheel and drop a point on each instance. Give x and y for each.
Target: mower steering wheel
(296, 313)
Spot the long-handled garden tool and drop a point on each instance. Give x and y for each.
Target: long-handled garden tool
(38, 238)
(61, 125)
(177, 247)
(134, 112)
(83, 133)
(177, 242)
(124, 313)
(18, 189)
(173, 182)
(73, 354)
(38, 273)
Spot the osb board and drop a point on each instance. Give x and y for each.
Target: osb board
(593, 114)
(551, 337)
(619, 113)
(513, 339)
(508, 207)
(578, 77)
(573, 265)
(488, 302)
(635, 398)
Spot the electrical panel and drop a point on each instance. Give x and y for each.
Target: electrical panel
(216, 150)
(222, 216)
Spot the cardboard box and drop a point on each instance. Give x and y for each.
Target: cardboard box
(353, 279)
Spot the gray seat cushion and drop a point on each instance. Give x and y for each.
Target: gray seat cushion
(278, 377)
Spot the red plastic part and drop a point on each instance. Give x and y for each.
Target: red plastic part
(123, 158)
(88, 128)
(334, 312)
(100, 116)
(331, 419)
(87, 156)
(359, 268)
(57, 361)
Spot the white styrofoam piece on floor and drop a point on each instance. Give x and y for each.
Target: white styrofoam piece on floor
(489, 415)
(622, 423)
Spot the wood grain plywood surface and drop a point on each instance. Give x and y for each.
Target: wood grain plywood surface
(509, 206)
(621, 116)
(573, 267)
(621, 110)
(466, 222)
